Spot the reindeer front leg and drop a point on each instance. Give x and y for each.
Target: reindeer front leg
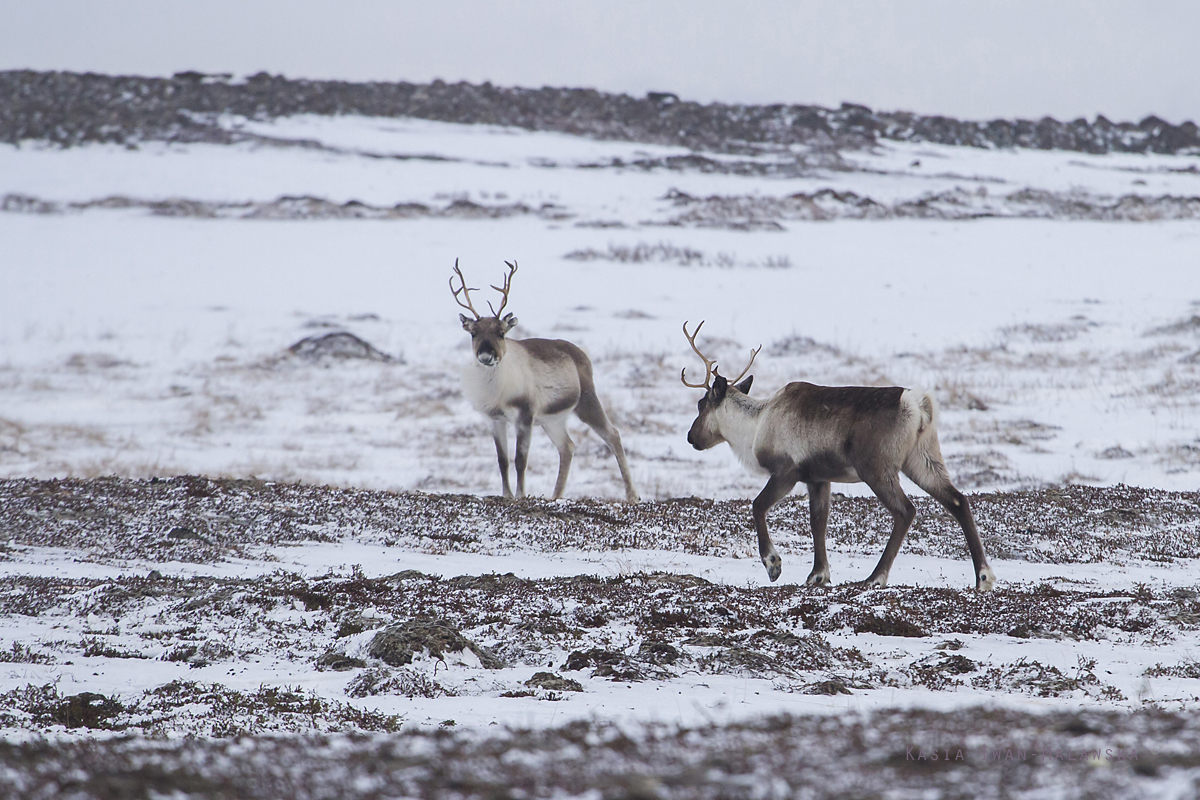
(524, 429)
(818, 517)
(500, 436)
(775, 490)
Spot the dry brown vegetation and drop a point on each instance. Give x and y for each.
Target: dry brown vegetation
(972, 754)
(574, 632)
(113, 519)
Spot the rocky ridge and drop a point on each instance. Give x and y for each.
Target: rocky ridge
(69, 108)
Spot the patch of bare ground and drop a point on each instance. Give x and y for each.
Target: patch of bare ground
(199, 519)
(971, 753)
(209, 710)
(385, 632)
(286, 208)
(641, 627)
(756, 212)
(667, 253)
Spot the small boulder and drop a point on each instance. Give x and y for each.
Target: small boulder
(554, 683)
(396, 644)
(658, 653)
(830, 687)
(338, 662)
(180, 532)
(339, 345)
(87, 710)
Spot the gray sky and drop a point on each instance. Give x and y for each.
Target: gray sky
(975, 59)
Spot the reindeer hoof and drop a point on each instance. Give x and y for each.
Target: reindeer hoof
(873, 582)
(774, 565)
(985, 581)
(817, 579)
(632, 497)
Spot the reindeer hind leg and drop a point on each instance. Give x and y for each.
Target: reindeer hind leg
(592, 414)
(524, 434)
(927, 469)
(556, 429)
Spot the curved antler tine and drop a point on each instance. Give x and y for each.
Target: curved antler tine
(463, 290)
(512, 270)
(708, 364)
(753, 354)
(683, 373)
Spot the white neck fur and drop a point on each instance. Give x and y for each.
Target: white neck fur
(737, 419)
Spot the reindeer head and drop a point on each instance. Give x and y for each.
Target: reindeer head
(706, 430)
(487, 333)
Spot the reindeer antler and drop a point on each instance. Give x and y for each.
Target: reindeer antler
(753, 353)
(512, 270)
(463, 290)
(708, 365)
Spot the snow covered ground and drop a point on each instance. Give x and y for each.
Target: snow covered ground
(146, 340)
(656, 613)
(148, 296)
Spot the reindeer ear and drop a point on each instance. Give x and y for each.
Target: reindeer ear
(744, 386)
(717, 393)
(468, 323)
(509, 322)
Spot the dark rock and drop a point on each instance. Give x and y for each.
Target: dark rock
(888, 626)
(408, 575)
(744, 661)
(396, 645)
(608, 664)
(87, 710)
(375, 681)
(956, 664)
(184, 533)
(709, 640)
(339, 662)
(554, 683)
(340, 345)
(830, 687)
(1024, 631)
(619, 672)
(595, 657)
(658, 653)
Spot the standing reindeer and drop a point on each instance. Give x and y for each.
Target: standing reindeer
(530, 381)
(822, 434)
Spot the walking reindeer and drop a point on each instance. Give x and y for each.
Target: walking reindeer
(527, 382)
(822, 434)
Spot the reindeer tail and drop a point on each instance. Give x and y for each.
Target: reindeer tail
(922, 404)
